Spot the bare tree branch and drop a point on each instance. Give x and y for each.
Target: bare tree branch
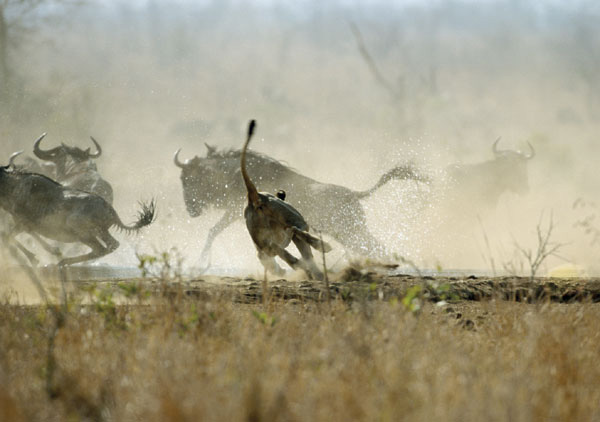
(545, 248)
(371, 63)
(19, 18)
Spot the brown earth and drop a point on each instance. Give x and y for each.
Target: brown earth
(366, 285)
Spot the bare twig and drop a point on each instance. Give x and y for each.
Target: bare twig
(371, 63)
(515, 266)
(265, 291)
(588, 223)
(545, 248)
(328, 296)
(487, 254)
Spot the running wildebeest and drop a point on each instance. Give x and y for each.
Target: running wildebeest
(6, 220)
(32, 165)
(46, 209)
(486, 182)
(334, 210)
(273, 224)
(74, 167)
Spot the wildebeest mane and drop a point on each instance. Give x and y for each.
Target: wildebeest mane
(22, 171)
(254, 158)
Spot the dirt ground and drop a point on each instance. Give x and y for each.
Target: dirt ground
(355, 284)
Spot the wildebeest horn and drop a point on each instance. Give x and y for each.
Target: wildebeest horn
(211, 149)
(40, 153)
(176, 159)
(11, 160)
(98, 149)
(531, 154)
(495, 146)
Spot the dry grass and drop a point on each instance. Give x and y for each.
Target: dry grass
(178, 358)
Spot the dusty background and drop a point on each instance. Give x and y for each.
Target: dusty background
(148, 77)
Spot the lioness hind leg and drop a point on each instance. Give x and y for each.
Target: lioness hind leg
(313, 241)
(293, 262)
(307, 257)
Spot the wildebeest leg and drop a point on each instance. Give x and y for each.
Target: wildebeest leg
(30, 255)
(104, 189)
(270, 264)
(13, 245)
(98, 249)
(307, 256)
(47, 247)
(225, 221)
(10, 239)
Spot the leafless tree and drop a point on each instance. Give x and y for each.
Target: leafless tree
(410, 90)
(19, 17)
(545, 247)
(588, 223)
(373, 68)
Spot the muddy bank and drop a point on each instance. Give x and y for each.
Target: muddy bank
(352, 284)
(355, 285)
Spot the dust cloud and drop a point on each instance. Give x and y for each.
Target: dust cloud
(342, 91)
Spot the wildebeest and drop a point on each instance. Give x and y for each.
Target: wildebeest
(486, 182)
(75, 168)
(6, 220)
(334, 210)
(32, 165)
(42, 207)
(273, 224)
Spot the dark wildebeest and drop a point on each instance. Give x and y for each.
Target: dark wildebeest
(6, 221)
(30, 165)
(42, 207)
(74, 168)
(215, 180)
(486, 182)
(273, 224)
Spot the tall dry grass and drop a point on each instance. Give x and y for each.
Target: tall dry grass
(177, 357)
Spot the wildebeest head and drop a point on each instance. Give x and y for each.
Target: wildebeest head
(204, 181)
(65, 156)
(512, 166)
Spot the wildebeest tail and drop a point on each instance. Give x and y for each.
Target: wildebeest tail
(145, 216)
(252, 191)
(312, 240)
(402, 172)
